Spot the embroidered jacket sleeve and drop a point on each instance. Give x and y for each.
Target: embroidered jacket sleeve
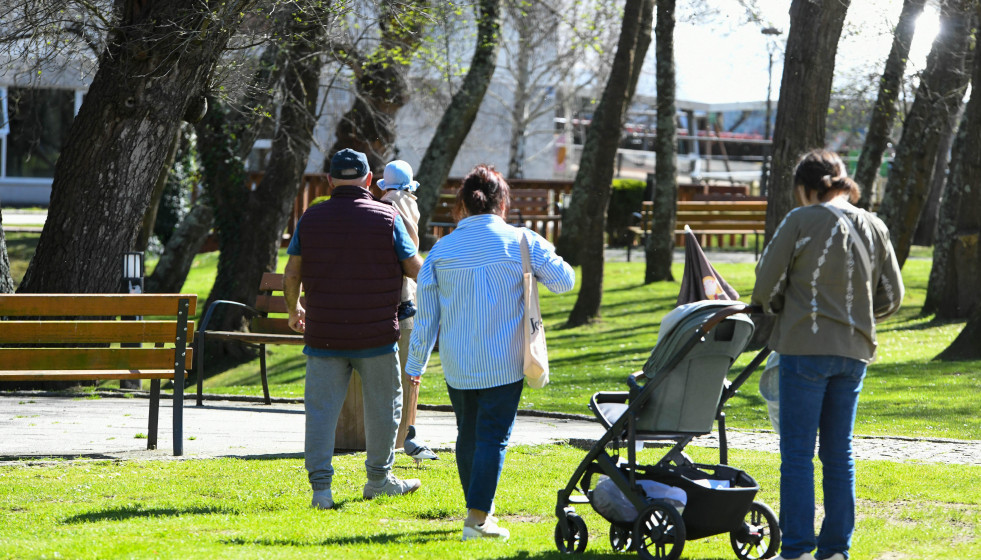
(889, 289)
(771, 270)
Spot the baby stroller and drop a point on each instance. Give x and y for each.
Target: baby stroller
(653, 509)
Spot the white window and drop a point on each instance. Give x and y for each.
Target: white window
(35, 126)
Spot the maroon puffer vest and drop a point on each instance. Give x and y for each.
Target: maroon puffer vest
(351, 275)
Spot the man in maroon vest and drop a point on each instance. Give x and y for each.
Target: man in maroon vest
(349, 254)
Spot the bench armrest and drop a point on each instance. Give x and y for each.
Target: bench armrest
(203, 327)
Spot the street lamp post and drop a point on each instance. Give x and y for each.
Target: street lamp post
(768, 149)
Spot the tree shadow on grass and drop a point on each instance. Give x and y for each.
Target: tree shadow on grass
(399, 539)
(126, 513)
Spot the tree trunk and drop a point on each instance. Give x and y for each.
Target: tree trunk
(158, 56)
(6, 281)
(805, 91)
(938, 98)
(952, 291)
(250, 240)
(596, 162)
(381, 86)
(522, 92)
(150, 217)
(225, 138)
(966, 346)
(884, 111)
(660, 242)
(184, 244)
(926, 227)
(455, 124)
(591, 188)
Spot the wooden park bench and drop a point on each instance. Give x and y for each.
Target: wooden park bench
(710, 219)
(531, 208)
(269, 325)
(79, 337)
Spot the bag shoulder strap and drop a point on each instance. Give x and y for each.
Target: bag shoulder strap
(863, 251)
(525, 251)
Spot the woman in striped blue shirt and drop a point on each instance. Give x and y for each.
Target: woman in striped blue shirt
(470, 295)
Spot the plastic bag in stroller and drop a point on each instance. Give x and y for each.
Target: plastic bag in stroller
(679, 395)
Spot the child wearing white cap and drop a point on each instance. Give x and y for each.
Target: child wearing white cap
(398, 186)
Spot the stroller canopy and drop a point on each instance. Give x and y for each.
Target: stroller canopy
(687, 399)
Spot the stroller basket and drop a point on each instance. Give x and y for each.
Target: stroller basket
(718, 496)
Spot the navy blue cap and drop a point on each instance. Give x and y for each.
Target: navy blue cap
(348, 164)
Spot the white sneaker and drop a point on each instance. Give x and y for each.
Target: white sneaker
(836, 556)
(322, 499)
(390, 486)
(805, 556)
(487, 530)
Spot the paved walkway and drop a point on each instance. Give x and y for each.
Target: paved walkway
(34, 426)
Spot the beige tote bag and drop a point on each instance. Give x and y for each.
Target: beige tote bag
(536, 353)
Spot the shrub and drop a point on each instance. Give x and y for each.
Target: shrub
(625, 199)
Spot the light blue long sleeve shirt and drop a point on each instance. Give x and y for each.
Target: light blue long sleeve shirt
(470, 293)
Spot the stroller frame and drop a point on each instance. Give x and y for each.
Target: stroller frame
(659, 531)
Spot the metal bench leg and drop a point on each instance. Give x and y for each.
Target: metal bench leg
(151, 437)
(262, 373)
(199, 354)
(179, 416)
(180, 369)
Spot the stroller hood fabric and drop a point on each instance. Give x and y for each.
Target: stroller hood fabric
(678, 325)
(700, 281)
(687, 399)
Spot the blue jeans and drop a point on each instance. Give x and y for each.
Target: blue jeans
(484, 419)
(818, 394)
(323, 396)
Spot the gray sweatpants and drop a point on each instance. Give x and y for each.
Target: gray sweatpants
(326, 386)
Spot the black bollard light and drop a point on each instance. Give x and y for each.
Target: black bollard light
(132, 283)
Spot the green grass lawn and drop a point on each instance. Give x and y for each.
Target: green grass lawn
(906, 392)
(232, 508)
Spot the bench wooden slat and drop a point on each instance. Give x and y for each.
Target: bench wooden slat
(720, 231)
(86, 375)
(703, 205)
(89, 359)
(92, 305)
(76, 332)
(258, 337)
(272, 325)
(271, 282)
(720, 225)
(271, 303)
(707, 218)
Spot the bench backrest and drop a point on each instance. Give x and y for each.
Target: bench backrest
(272, 304)
(532, 208)
(730, 215)
(95, 336)
(531, 202)
(524, 202)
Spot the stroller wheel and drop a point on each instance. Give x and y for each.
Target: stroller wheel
(659, 532)
(578, 535)
(621, 538)
(759, 536)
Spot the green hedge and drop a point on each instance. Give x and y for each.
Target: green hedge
(625, 199)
